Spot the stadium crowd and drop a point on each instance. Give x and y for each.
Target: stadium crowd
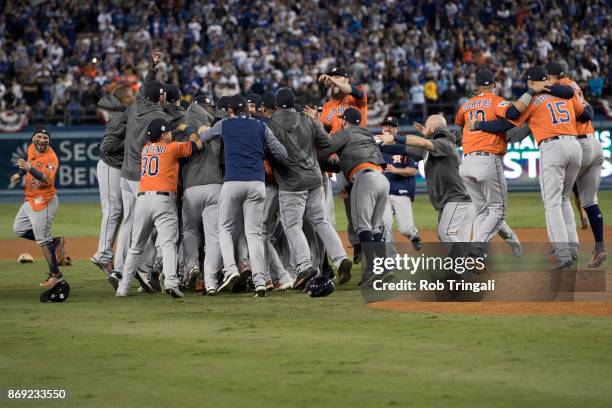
(60, 56)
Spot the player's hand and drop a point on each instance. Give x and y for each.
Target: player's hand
(419, 127)
(343, 194)
(471, 124)
(203, 128)
(310, 112)
(24, 165)
(391, 169)
(156, 58)
(15, 178)
(387, 138)
(182, 127)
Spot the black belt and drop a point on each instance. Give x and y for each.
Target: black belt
(164, 193)
(582, 136)
(479, 153)
(548, 140)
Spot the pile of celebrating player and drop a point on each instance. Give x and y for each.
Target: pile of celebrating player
(236, 196)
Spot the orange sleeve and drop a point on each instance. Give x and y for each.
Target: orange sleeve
(362, 101)
(50, 169)
(324, 114)
(524, 116)
(460, 117)
(501, 106)
(180, 150)
(578, 107)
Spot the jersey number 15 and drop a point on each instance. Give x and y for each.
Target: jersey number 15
(150, 165)
(558, 112)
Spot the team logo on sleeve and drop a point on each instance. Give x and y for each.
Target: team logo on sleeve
(503, 103)
(50, 167)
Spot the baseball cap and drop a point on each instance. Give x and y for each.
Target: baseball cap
(269, 100)
(390, 121)
(224, 102)
(156, 128)
(153, 90)
(485, 77)
(237, 101)
(173, 93)
(285, 98)
(202, 99)
(41, 129)
(555, 68)
(352, 115)
(338, 71)
(537, 73)
(254, 98)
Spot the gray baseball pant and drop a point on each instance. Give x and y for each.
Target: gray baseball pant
(589, 176)
(274, 266)
(243, 200)
(401, 207)
(129, 194)
(328, 192)
(483, 176)
(109, 182)
(153, 211)
(369, 197)
(294, 207)
(455, 222)
(39, 222)
(200, 208)
(560, 162)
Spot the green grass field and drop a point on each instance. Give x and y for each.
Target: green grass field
(288, 350)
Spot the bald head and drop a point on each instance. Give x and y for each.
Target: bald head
(433, 123)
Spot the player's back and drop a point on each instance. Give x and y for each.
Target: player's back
(483, 107)
(583, 128)
(160, 166)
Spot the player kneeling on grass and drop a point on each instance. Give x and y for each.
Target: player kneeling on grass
(156, 203)
(35, 217)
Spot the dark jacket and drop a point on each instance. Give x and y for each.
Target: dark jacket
(354, 146)
(301, 137)
(176, 113)
(111, 147)
(206, 166)
(139, 114)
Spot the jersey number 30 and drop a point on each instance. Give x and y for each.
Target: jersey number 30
(150, 165)
(558, 112)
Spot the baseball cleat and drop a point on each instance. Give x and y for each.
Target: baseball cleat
(114, 279)
(192, 277)
(303, 277)
(154, 282)
(229, 280)
(210, 292)
(107, 268)
(52, 280)
(561, 265)
(269, 284)
(283, 286)
(244, 267)
(417, 244)
(597, 259)
(517, 248)
(143, 280)
(260, 291)
(122, 292)
(174, 292)
(344, 271)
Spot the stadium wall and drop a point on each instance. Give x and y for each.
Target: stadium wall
(76, 148)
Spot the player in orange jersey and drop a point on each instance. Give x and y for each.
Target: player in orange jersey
(156, 203)
(35, 217)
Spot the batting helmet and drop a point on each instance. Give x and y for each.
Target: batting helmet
(57, 293)
(320, 286)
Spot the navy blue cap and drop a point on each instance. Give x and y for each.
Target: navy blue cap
(156, 128)
(269, 100)
(338, 71)
(390, 121)
(173, 93)
(485, 77)
(352, 115)
(285, 98)
(224, 102)
(41, 129)
(153, 90)
(555, 68)
(537, 73)
(254, 98)
(238, 101)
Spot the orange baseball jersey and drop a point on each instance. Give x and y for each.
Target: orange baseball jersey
(37, 193)
(483, 107)
(332, 110)
(160, 165)
(550, 116)
(583, 128)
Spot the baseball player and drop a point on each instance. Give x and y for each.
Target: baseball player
(147, 107)
(254, 103)
(242, 195)
(362, 164)
(400, 171)
(202, 177)
(156, 203)
(552, 120)
(35, 217)
(108, 172)
(445, 187)
(301, 189)
(482, 168)
(589, 177)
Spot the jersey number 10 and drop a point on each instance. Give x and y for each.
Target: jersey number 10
(558, 112)
(150, 165)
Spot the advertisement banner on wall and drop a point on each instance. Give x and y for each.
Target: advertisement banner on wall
(77, 152)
